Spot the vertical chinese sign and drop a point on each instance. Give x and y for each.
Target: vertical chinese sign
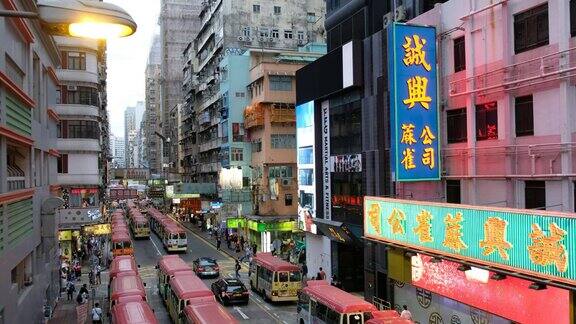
(413, 81)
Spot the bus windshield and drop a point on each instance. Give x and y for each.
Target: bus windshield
(295, 276)
(182, 235)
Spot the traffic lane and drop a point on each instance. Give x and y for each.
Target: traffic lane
(257, 310)
(147, 254)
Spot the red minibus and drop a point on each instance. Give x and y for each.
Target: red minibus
(134, 312)
(208, 313)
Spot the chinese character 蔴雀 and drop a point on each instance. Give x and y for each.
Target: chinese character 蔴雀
(453, 233)
(547, 250)
(424, 228)
(415, 55)
(408, 134)
(417, 87)
(408, 160)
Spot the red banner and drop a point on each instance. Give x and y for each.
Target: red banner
(81, 313)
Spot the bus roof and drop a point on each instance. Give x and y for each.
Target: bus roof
(174, 228)
(122, 286)
(208, 313)
(337, 299)
(123, 263)
(135, 312)
(120, 236)
(389, 320)
(169, 264)
(140, 220)
(187, 285)
(273, 263)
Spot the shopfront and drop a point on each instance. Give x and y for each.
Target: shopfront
(69, 241)
(273, 233)
(470, 264)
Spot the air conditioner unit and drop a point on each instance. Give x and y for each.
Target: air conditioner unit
(400, 13)
(271, 39)
(241, 38)
(72, 88)
(286, 182)
(261, 39)
(387, 20)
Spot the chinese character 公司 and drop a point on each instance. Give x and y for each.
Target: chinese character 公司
(495, 237)
(428, 157)
(427, 136)
(417, 87)
(547, 250)
(424, 228)
(408, 134)
(396, 221)
(415, 55)
(408, 160)
(453, 233)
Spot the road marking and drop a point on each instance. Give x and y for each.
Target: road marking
(156, 246)
(266, 306)
(284, 322)
(244, 316)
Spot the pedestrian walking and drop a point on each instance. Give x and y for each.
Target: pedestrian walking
(242, 240)
(218, 242)
(322, 274)
(254, 249)
(97, 314)
(406, 313)
(98, 275)
(70, 289)
(237, 267)
(304, 272)
(228, 242)
(237, 247)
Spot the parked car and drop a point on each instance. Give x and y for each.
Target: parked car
(230, 291)
(206, 267)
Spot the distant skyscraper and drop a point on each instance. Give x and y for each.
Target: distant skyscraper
(129, 127)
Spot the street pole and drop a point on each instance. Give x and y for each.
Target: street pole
(19, 14)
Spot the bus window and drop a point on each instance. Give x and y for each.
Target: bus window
(283, 276)
(304, 302)
(355, 319)
(127, 245)
(332, 317)
(321, 312)
(118, 245)
(295, 276)
(173, 236)
(182, 235)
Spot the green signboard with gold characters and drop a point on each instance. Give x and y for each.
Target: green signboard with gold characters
(532, 242)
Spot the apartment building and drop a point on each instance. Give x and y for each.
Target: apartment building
(151, 129)
(28, 160)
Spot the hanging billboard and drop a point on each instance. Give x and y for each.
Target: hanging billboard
(413, 78)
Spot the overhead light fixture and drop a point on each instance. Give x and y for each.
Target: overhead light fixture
(435, 260)
(464, 267)
(498, 276)
(537, 286)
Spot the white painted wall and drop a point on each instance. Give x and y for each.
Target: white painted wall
(318, 254)
(82, 163)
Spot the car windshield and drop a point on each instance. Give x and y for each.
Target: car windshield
(207, 262)
(232, 289)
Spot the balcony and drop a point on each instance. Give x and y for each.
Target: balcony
(79, 179)
(73, 217)
(210, 145)
(77, 76)
(210, 167)
(79, 144)
(77, 42)
(77, 110)
(254, 116)
(282, 115)
(548, 68)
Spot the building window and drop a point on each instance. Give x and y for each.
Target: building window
(280, 171)
(14, 72)
(76, 61)
(288, 200)
(300, 35)
(288, 34)
(18, 166)
(246, 31)
(573, 22)
(240, 94)
(238, 132)
(80, 95)
(487, 121)
(306, 177)
(264, 32)
(83, 129)
(305, 155)
(21, 275)
(311, 17)
(524, 116)
(277, 10)
(535, 195)
(459, 54)
(257, 146)
(531, 29)
(63, 163)
(256, 8)
(237, 154)
(275, 33)
(453, 191)
(456, 124)
(283, 141)
(280, 82)
(306, 199)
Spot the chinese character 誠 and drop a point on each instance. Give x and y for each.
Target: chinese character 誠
(408, 134)
(453, 233)
(417, 87)
(427, 136)
(428, 157)
(424, 228)
(396, 221)
(547, 250)
(408, 160)
(374, 218)
(495, 237)
(414, 53)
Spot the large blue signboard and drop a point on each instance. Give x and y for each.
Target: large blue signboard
(413, 78)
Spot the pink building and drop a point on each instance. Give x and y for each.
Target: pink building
(507, 84)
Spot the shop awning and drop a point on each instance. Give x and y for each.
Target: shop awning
(336, 231)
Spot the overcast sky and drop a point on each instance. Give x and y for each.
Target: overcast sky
(127, 60)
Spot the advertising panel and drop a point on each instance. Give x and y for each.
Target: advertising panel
(306, 163)
(414, 100)
(346, 163)
(531, 242)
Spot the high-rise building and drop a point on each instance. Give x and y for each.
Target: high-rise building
(129, 130)
(179, 22)
(217, 72)
(152, 116)
(117, 147)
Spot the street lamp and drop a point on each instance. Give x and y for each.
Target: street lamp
(79, 18)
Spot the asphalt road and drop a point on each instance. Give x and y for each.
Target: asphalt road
(148, 252)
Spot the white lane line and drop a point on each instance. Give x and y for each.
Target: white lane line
(284, 322)
(156, 247)
(244, 316)
(266, 306)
